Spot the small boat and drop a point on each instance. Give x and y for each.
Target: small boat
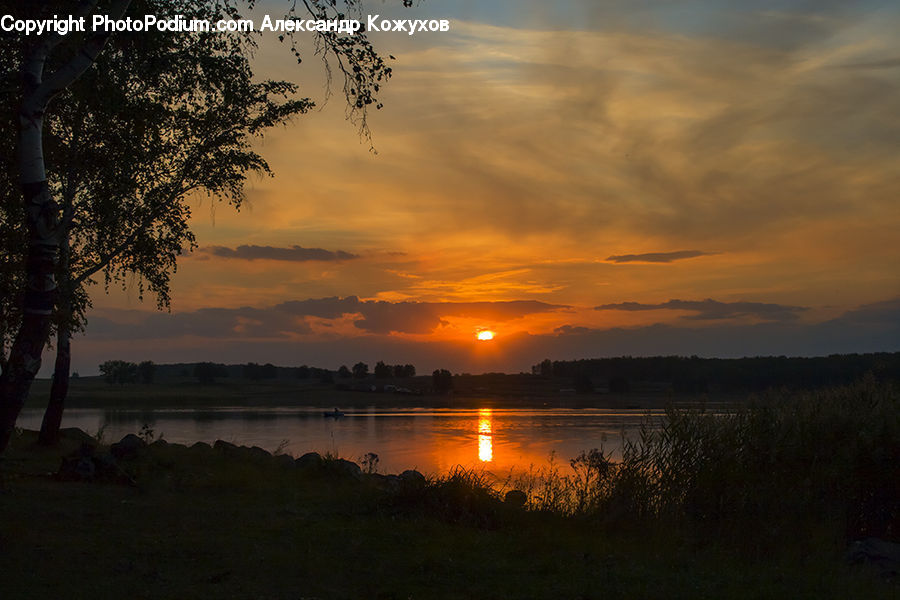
(334, 414)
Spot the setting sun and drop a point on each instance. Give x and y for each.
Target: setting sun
(485, 335)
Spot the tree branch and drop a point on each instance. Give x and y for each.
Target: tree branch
(78, 64)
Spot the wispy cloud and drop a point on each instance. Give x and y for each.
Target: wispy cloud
(291, 253)
(657, 257)
(714, 310)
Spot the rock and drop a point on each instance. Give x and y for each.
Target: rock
(310, 460)
(128, 447)
(412, 477)
(881, 553)
(160, 443)
(515, 498)
(223, 446)
(84, 465)
(201, 446)
(384, 482)
(346, 467)
(258, 453)
(377, 479)
(285, 461)
(79, 435)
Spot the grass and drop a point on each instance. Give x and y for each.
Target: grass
(757, 504)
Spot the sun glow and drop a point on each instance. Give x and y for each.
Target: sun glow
(485, 335)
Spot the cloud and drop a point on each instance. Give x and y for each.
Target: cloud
(571, 329)
(658, 257)
(207, 323)
(291, 253)
(714, 310)
(290, 319)
(877, 313)
(424, 317)
(888, 63)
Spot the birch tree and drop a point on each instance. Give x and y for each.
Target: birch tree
(115, 202)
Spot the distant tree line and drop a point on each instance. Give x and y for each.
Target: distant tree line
(122, 372)
(305, 372)
(442, 381)
(382, 371)
(694, 374)
(256, 372)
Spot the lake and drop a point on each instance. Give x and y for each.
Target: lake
(428, 439)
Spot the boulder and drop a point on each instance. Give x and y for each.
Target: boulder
(201, 446)
(85, 465)
(411, 477)
(346, 467)
(258, 453)
(310, 460)
(74, 433)
(223, 446)
(128, 447)
(285, 461)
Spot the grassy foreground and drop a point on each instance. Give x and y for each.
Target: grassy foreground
(757, 505)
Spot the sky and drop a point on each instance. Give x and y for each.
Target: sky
(585, 178)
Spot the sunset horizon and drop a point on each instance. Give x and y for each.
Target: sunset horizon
(450, 299)
(585, 181)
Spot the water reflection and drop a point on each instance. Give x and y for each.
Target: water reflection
(433, 440)
(485, 435)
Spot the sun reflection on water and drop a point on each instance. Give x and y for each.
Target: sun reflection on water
(485, 438)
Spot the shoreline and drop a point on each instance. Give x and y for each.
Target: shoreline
(228, 522)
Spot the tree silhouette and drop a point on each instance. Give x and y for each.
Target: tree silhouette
(180, 105)
(206, 372)
(383, 371)
(442, 381)
(119, 371)
(146, 371)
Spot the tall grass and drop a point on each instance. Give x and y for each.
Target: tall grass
(788, 462)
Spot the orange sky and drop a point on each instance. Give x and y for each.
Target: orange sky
(561, 179)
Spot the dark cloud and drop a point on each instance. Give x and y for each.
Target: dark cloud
(869, 328)
(411, 317)
(886, 312)
(207, 323)
(289, 318)
(658, 257)
(712, 309)
(888, 63)
(292, 253)
(571, 330)
(324, 308)
(424, 317)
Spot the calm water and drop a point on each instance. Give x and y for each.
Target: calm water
(431, 440)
